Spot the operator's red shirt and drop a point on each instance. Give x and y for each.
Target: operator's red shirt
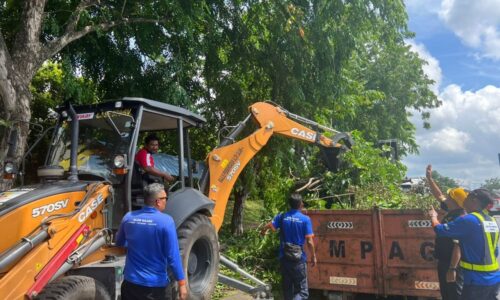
(144, 158)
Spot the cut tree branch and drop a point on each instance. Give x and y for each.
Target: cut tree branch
(309, 185)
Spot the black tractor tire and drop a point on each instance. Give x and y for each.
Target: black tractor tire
(74, 288)
(199, 248)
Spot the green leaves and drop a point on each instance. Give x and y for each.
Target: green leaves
(443, 182)
(4, 123)
(344, 64)
(492, 185)
(369, 179)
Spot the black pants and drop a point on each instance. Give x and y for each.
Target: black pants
(450, 290)
(132, 291)
(294, 280)
(481, 292)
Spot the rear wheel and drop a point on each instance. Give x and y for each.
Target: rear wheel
(75, 288)
(200, 255)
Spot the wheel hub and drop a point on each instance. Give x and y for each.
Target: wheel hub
(192, 263)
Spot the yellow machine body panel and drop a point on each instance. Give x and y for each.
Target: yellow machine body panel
(21, 221)
(24, 274)
(225, 165)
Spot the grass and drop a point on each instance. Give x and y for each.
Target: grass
(252, 220)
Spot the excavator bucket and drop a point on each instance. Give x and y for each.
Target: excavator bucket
(332, 156)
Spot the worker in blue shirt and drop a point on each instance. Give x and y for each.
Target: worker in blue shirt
(151, 240)
(295, 230)
(478, 236)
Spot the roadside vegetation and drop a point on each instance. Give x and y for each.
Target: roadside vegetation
(345, 64)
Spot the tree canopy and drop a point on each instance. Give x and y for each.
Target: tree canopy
(345, 64)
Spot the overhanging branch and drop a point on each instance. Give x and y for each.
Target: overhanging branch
(58, 44)
(75, 17)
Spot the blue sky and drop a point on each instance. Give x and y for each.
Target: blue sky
(460, 39)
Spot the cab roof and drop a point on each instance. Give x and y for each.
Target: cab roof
(156, 115)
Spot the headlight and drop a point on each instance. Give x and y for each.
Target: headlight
(9, 168)
(119, 161)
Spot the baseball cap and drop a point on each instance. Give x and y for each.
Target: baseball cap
(484, 196)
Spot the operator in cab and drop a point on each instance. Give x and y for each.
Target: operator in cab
(477, 233)
(145, 160)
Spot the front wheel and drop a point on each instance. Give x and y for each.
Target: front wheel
(74, 288)
(199, 248)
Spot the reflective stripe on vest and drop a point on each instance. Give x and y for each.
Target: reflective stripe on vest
(490, 231)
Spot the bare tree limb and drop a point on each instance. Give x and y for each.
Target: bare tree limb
(123, 7)
(75, 16)
(294, 178)
(58, 44)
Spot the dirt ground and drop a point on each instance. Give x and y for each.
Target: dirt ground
(237, 295)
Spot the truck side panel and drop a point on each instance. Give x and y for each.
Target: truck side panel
(383, 252)
(346, 252)
(409, 245)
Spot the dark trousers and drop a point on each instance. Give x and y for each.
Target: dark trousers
(449, 290)
(481, 292)
(132, 291)
(294, 280)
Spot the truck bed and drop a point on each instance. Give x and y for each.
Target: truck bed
(381, 252)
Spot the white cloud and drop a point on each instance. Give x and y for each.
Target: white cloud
(479, 110)
(448, 140)
(464, 140)
(476, 23)
(432, 68)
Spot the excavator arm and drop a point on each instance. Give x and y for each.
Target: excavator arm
(226, 162)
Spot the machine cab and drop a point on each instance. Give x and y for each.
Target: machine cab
(103, 142)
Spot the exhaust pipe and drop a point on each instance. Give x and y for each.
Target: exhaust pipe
(73, 169)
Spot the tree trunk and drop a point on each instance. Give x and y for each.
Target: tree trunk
(17, 131)
(17, 67)
(19, 64)
(240, 196)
